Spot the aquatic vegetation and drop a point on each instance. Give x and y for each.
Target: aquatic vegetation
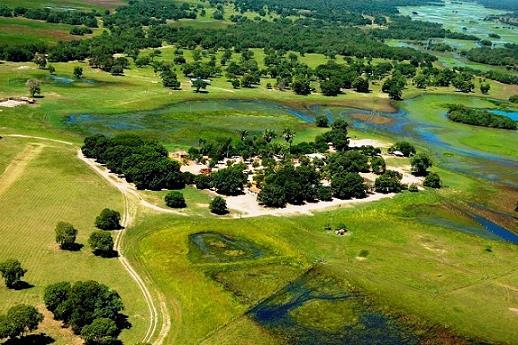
(218, 247)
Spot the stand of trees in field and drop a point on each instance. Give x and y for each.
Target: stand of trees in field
(142, 162)
(479, 117)
(52, 15)
(92, 310)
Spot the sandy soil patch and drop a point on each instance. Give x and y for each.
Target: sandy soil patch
(247, 206)
(11, 103)
(367, 142)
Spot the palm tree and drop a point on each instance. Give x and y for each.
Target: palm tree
(269, 135)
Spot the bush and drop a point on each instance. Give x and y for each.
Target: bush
(108, 220)
(433, 181)
(79, 305)
(413, 188)
(218, 205)
(175, 200)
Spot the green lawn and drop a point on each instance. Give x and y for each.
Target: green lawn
(78, 4)
(55, 186)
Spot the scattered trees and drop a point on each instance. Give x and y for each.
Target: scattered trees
(12, 272)
(65, 235)
(108, 220)
(175, 199)
(378, 165)
(484, 88)
(40, 60)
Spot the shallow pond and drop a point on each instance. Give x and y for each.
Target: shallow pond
(513, 115)
(318, 308)
(217, 247)
(421, 119)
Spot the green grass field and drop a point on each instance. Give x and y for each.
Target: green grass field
(47, 184)
(401, 252)
(20, 30)
(421, 271)
(78, 4)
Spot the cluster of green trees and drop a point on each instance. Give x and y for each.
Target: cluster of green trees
(80, 30)
(91, 309)
(52, 15)
(479, 117)
(18, 321)
(507, 56)
(403, 27)
(141, 161)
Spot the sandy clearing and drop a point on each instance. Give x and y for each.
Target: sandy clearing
(247, 206)
(17, 166)
(10, 103)
(367, 142)
(514, 310)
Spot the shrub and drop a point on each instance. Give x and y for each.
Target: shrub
(175, 199)
(413, 188)
(218, 205)
(322, 121)
(108, 220)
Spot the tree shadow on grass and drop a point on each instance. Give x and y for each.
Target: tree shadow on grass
(31, 339)
(73, 247)
(106, 254)
(22, 285)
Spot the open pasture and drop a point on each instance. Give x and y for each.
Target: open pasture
(44, 182)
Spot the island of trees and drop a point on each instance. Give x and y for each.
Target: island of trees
(479, 117)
